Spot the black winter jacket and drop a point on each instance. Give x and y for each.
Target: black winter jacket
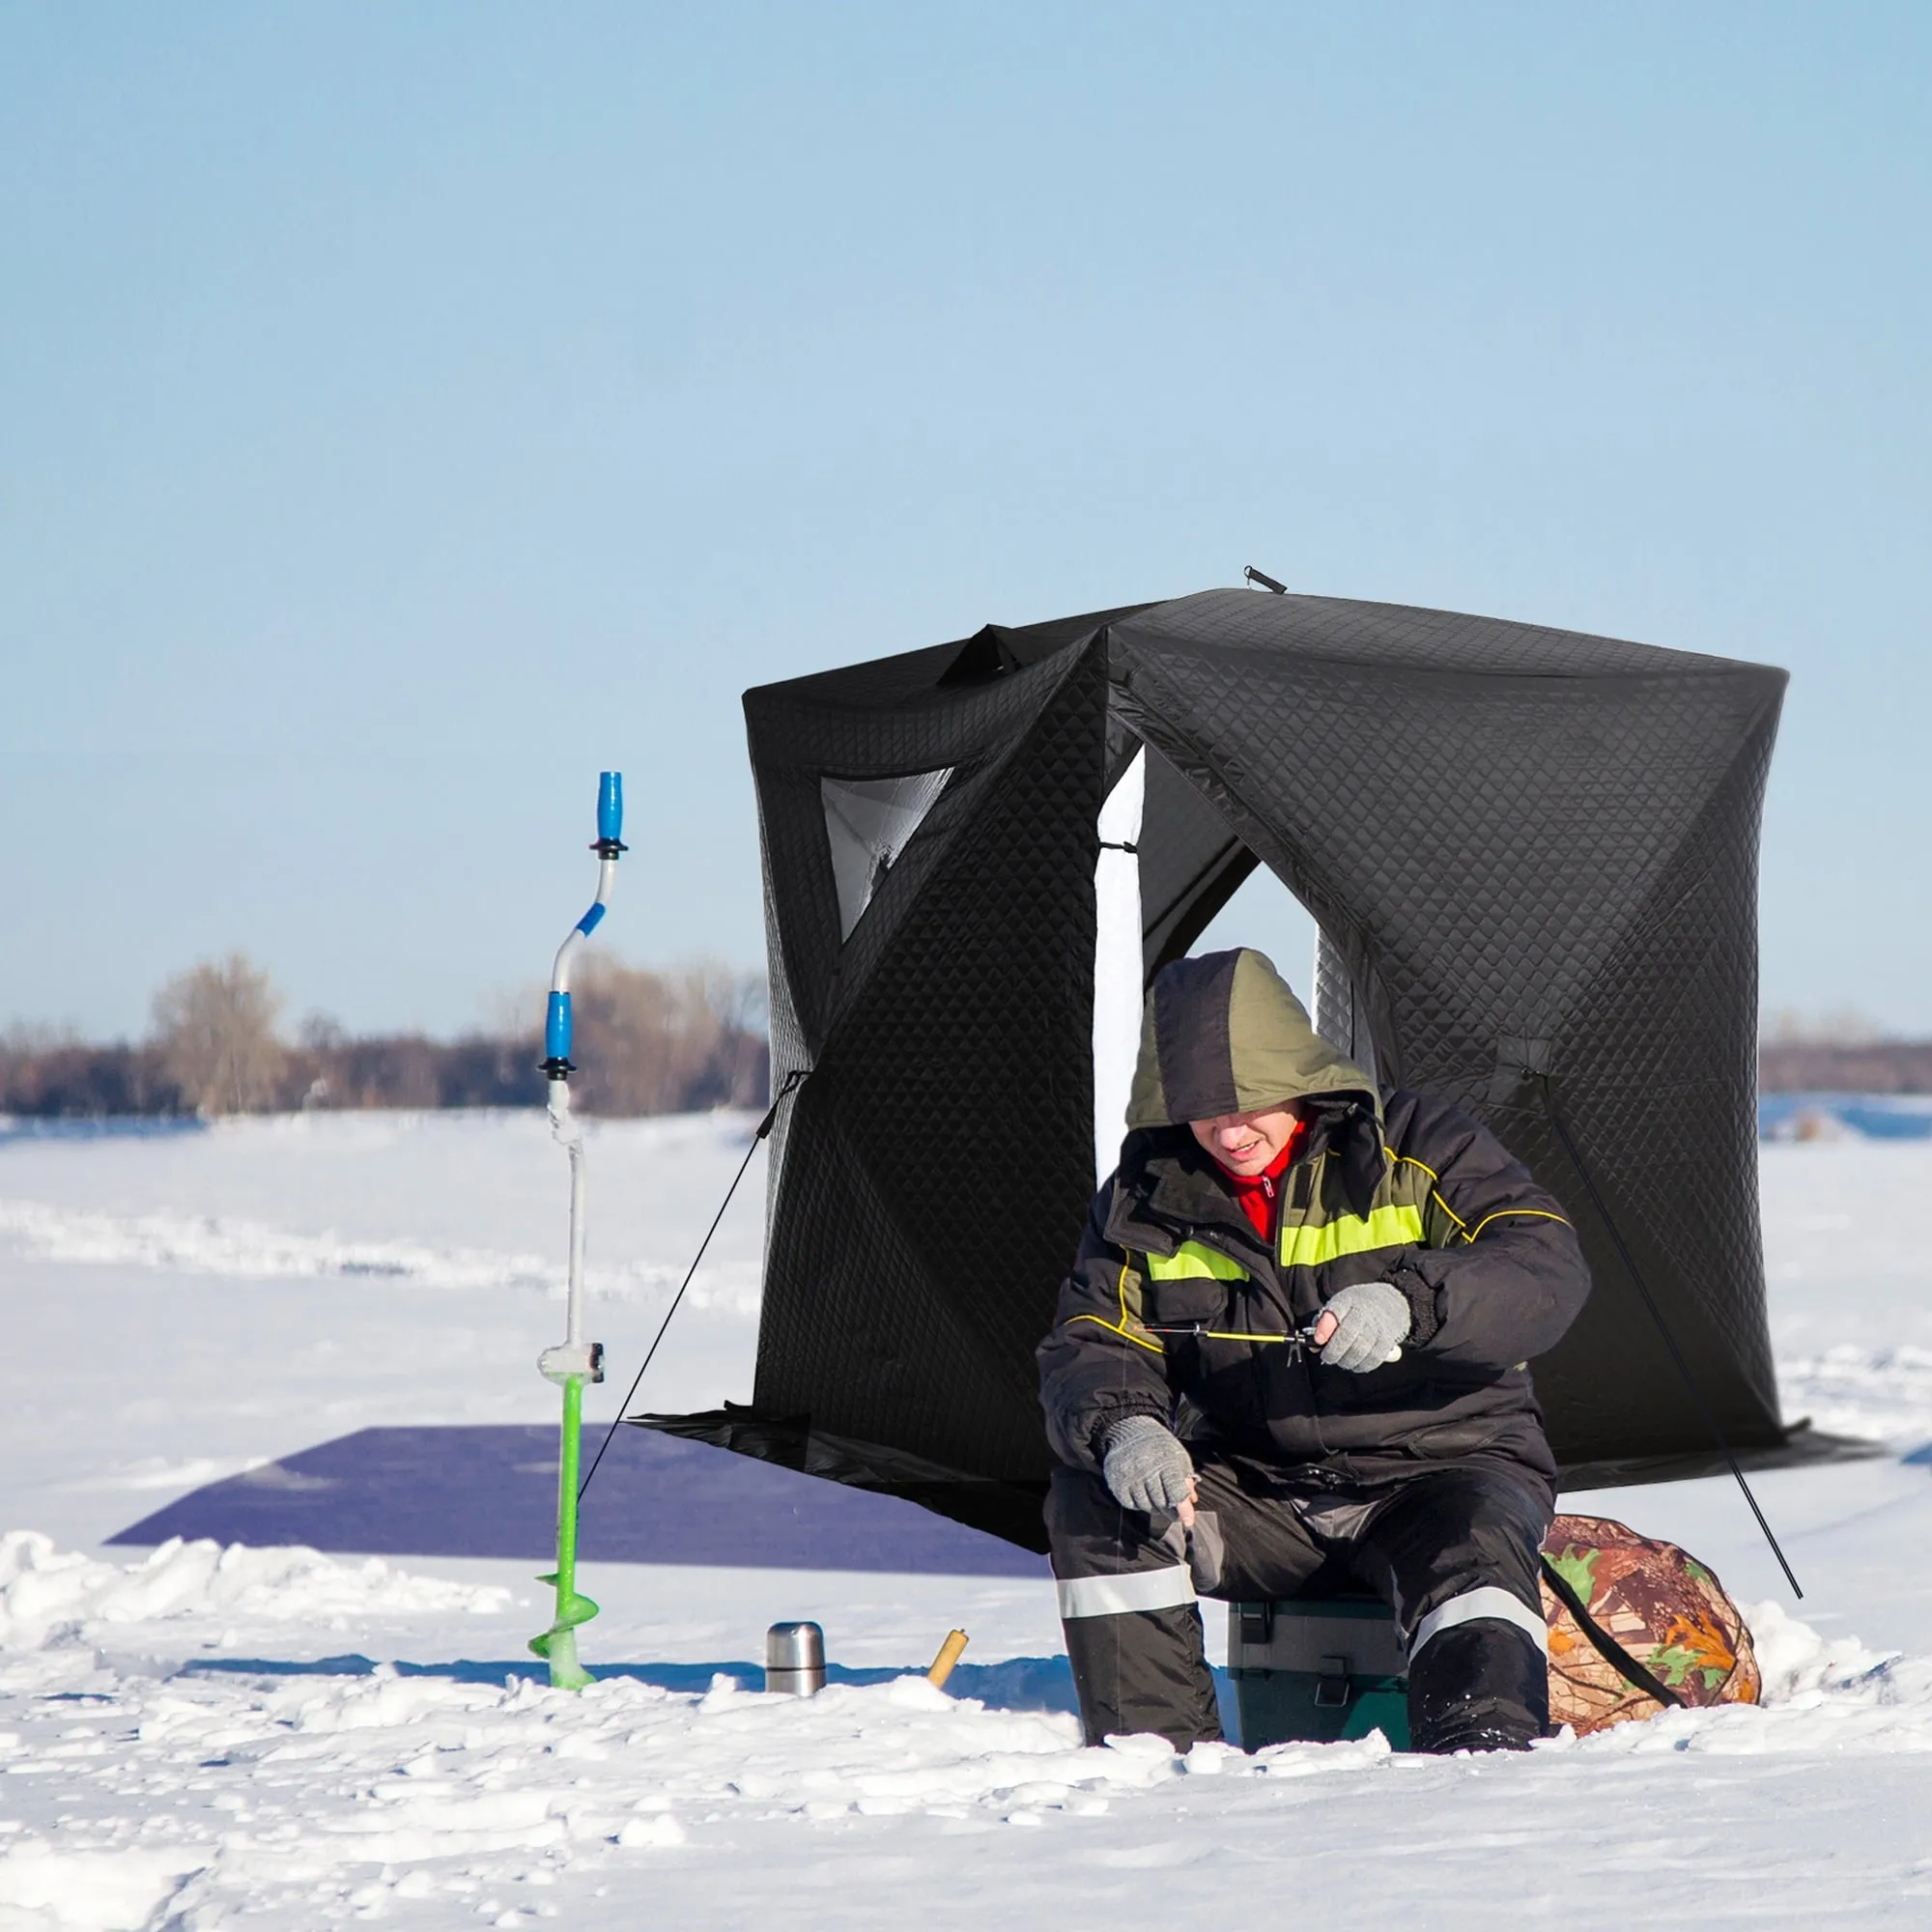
(1176, 1308)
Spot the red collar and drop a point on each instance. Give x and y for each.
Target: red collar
(1257, 1192)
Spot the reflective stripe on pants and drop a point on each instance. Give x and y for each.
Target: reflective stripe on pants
(1472, 1605)
(1120, 1595)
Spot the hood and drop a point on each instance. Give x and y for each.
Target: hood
(1223, 1035)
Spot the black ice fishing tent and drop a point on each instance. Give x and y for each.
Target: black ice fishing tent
(1532, 858)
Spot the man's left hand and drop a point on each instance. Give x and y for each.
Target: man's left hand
(1363, 1326)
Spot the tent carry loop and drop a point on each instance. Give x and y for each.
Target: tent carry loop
(576, 1361)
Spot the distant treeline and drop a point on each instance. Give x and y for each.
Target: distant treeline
(646, 1042)
(1829, 1066)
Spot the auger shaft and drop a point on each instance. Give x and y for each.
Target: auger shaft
(578, 1361)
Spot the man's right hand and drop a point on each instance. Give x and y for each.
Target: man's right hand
(1142, 1462)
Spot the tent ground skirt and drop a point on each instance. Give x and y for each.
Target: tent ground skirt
(1011, 1510)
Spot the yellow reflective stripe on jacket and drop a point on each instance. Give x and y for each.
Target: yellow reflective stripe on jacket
(1191, 1261)
(1125, 1328)
(1350, 1234)
(1503, 1214)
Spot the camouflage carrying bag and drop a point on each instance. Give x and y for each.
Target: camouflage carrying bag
(1635, 1626)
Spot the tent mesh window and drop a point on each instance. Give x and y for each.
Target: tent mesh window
(867, 822)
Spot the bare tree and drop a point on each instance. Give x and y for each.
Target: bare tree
(644, 1037)
(25, 1037)
(1839, 1026)
(214, 1027)
(739, 1074)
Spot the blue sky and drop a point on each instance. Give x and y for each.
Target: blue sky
(406, 411)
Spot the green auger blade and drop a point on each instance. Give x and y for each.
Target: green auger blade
(572, 1608)
(559, 1649)
(557, 1645)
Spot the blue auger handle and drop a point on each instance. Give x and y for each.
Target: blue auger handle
(557, 1027)
(609, 804)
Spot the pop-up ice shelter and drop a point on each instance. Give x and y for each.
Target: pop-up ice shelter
(1532, 858)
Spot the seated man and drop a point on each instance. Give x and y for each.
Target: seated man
(1292, 1349)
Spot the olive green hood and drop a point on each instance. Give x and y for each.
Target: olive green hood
(1223, 1035)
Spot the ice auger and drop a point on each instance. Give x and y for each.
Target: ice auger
(577, 1361)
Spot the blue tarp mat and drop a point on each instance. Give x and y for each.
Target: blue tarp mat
(492, 1492)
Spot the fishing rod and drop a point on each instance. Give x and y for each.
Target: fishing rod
(1298, 1342)
(576, 1361)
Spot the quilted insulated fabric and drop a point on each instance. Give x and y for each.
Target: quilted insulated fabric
(1531, 852)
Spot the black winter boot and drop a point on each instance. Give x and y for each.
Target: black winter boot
(1481, 1686)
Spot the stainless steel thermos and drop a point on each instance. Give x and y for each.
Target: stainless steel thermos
(795, 1659)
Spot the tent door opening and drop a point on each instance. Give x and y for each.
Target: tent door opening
(1150, 815)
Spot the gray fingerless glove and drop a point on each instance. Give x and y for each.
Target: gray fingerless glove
(1142, 1462)
(1372, 1323)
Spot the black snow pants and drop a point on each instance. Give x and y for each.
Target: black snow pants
(1453, 1550)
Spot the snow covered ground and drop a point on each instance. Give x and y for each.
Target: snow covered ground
(177, 1749)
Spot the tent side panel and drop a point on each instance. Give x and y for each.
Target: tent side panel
(1659, 1096)
(939, 1163)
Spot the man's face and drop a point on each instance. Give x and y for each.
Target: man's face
(1246, 1143)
